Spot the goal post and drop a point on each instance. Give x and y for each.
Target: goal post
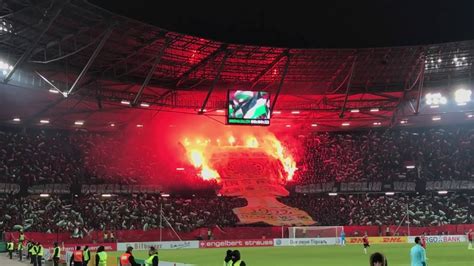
(315, 232)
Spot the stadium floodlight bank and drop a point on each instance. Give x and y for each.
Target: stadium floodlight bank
(315, 232)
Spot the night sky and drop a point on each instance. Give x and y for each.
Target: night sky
(336, 24)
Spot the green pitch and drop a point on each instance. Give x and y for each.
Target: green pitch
(351, 255)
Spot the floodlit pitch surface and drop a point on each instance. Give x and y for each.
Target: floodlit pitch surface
(455, 254)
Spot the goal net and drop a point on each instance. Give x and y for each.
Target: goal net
(315, 231)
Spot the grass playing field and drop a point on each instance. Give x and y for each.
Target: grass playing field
(398, 255)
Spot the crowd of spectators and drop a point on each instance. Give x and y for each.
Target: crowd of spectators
(382, 155)
(53, 156)
(81, 215)
(423, 210)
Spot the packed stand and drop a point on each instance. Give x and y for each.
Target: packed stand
(88, 213)
(38, 157)
(424, 210)
(382, 155)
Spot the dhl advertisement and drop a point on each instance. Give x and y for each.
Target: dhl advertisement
(378, 240)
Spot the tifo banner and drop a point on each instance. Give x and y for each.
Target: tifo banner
(274, 215)
(441, 239)
(238, 187)
(236, 243)
(159, 245)
(281, 242)
(50, 188)
(450, 185)
(253, 174)
(379, 240)
(357, 187)
(120, 189)
(9, 188)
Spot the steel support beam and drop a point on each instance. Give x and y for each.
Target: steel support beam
(96, 52)
(348, 87)
(269, 67)
(280, 85)
(204, 61)
(26, 55)
(214, 82)
(420, 88)
(137, 51)
(150, 72)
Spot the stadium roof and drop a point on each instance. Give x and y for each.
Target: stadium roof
(100, 59)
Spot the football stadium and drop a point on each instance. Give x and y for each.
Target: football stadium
(125, 143)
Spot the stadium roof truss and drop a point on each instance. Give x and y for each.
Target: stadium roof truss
(93, 55)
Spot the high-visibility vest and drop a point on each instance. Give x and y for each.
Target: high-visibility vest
(57, 250)
(102, 258)
(237, 263)
(10, 246)
(40, 250)
(21, 238)
(149, 261)
(34, 250)
(124, 259)
(87, 255)
(30, 248)
(229, 263)
(77, 256)
(20, 247)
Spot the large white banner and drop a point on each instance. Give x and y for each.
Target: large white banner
(160, 245)
(441, 239)
(280, 242)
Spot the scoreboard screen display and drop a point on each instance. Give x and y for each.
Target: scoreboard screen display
(248, 107)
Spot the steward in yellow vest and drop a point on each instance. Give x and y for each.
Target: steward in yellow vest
(56, 254)
(236, 261)
(153, 259)
(86, 255)
(228, 258)
(101, 257)
(10, 248)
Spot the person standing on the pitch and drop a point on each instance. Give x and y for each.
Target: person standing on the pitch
(56, 254)
(10, 248)
(228, 258)
(20, 251)
(34, 254)
(365, 241)
(236, 260)
(101, 257)
(470, 236)
(127, 258)
(40, 254)
(343, 238)
(28, 250)
(153, 259)
(87, 255)
(77, 257)
(417, 254)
